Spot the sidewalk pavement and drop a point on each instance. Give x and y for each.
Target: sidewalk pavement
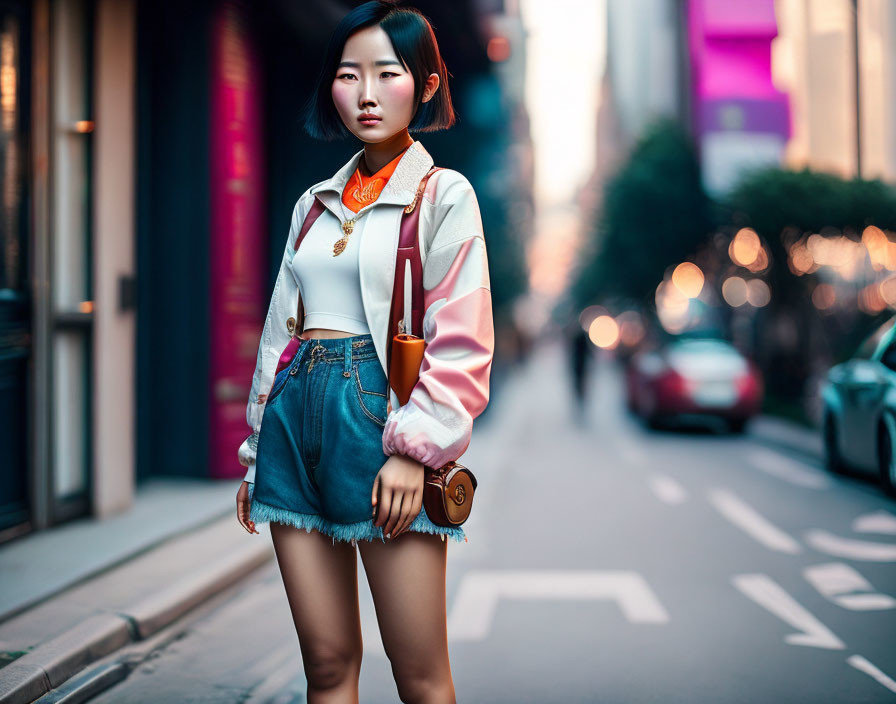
(178, 547)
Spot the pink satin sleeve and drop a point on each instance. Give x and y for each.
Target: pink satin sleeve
(436, 424)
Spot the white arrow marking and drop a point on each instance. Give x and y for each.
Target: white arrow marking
(835, 581)
(838, 546)
(860, 663)
(741, 514)
(877, 522)
(787, 469)
(769, 594)
(667, 489)
(477, 598)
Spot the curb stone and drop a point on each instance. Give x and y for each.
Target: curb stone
(52, 663)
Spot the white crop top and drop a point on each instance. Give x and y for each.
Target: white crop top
(331, 286)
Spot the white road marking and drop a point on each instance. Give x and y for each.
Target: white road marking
(860, 663)
(836, 581)
(785, 468)
(769, 594)
(836, 545)
(477, 598)
(741, 514)
(877, 522)
(667, 489)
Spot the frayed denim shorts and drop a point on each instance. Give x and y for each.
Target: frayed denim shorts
(320, 446)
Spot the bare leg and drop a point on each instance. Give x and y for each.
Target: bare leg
(407, 582)
(321, 581)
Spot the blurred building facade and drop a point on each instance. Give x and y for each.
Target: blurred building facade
(837, 61)
(152, 154)
(645, 76)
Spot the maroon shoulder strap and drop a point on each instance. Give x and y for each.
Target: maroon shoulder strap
(409, 250)
(317, 207)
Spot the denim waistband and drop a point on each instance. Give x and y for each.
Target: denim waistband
(352, 348)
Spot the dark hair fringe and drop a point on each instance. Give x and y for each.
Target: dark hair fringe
(414, 42)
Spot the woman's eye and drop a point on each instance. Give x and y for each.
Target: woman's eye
(351, 75)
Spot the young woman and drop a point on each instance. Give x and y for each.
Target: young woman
(338, 463)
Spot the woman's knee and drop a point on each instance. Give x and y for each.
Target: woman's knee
(425, 687)
(329, 666)
(424, 679)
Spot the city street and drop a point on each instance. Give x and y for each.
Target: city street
(607, 563)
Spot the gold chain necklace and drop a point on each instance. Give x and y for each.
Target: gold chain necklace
(347, 227)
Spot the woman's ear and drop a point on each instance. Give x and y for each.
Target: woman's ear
(432, 85)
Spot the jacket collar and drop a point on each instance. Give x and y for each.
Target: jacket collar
(399, 189)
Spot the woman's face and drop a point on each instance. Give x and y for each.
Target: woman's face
(370, 79)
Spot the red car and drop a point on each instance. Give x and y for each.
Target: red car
(694, 378)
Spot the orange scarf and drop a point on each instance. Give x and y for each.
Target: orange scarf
(364, 190)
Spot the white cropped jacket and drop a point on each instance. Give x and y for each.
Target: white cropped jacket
(435, 426)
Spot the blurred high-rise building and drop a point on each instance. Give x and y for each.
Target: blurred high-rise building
(837, 61)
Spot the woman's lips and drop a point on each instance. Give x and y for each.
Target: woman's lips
(369, 121)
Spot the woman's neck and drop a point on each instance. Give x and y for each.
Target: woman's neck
(376, 156)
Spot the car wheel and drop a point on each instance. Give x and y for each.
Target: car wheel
(886, 460)
(737, 425)
(832, 458)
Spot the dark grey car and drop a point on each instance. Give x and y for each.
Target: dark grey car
(859, 398)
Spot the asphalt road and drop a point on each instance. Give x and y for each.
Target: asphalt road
(608, 563)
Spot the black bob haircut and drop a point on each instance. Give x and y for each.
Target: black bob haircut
(415, 45)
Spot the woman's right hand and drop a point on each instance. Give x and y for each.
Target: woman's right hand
(242, 508)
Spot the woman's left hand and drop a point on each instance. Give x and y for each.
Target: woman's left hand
(397, 494)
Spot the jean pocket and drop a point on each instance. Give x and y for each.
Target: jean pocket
(370, 387)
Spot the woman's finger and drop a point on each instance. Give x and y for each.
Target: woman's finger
(384, 506)
(416, 505)
(405, 520)
(394, 514)
(374, 493)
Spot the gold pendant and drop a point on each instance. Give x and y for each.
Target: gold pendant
(347, 228)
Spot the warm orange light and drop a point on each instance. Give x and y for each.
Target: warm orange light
(588, 315)
(887, 289)
(875, 242)
(604, 332)
(800, 260)
(870, 299)
(498, 49)
(824, 296)
(84, 126)
(758, 293)
(688, 278)
(631, 328)
(86, 306)
(734, 291)
(745, 247)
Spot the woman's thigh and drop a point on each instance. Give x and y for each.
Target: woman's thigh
(321, 581)
(407, 582)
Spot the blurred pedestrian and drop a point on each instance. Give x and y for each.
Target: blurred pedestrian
(581, 359)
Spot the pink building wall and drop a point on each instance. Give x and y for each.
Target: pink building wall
(238, 234)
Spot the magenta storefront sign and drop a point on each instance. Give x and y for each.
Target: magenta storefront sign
(740, 118)
(238, 239)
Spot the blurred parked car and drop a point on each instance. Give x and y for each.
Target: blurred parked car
(859, 409)
(694, 378)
